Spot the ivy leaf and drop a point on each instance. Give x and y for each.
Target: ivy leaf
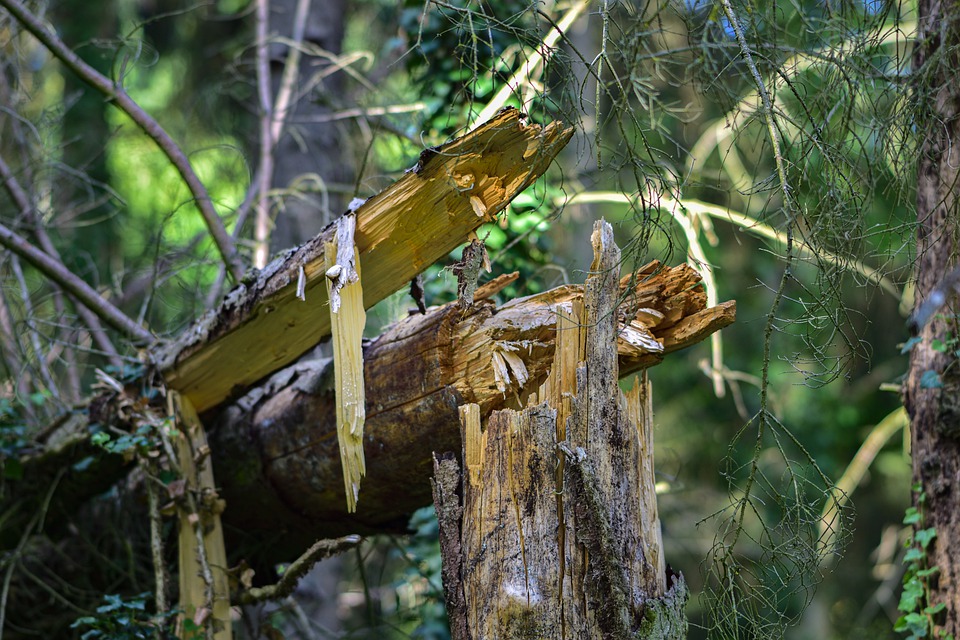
(913, 554)
(925, 536)
(911, 516)
(100, 438)
(912, 623)
(930, 380)
(912, 595)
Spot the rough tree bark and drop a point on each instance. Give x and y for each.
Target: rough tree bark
(935, 411)
(556, 534)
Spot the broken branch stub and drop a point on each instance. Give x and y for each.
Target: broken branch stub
(261, 326)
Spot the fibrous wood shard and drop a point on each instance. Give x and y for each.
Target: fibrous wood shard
(204, 585)
(261, 326)
(347, 319)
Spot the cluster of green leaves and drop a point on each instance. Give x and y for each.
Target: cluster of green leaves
(950, 344)
(918, 619)
(125, 619)
(141, 441)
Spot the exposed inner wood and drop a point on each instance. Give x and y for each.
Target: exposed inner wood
(261, 326)
(347, 319)
(204, 586)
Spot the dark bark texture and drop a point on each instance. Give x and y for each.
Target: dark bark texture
(935, 410)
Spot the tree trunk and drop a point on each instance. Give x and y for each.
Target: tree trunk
(935, 410)
(557, 533)
(309, 150)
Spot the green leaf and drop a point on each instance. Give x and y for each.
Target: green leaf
(912, 516)
(912, 555)
(934, 609)
(908, 345)
(930, 380)
(911, 596)
(938, 345)
(83, 464)
(925, 536)
(100, 438)
(83, 620)
(926, 573)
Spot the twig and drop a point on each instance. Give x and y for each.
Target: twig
(11, 359)
(36, 523)
(84, 293)
(299, 568)
(768, 117)
(746, 223)
(858, 466)
(261, 232)
(116, 94)
(273, 120)
(33, 333)
(19, 197)
(291, 69)
(156, 543)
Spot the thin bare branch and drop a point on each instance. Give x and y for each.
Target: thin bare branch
(273, 118)
(299, 568)
(83, 292)
(33, 334)
(261, 232)
(524, 74)
(116, 94)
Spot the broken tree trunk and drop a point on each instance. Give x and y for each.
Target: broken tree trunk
(275, 449)
(262, 326)
(551, 529)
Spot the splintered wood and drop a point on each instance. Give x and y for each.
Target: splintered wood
(415, 375)
(347, 319)
(559, 535)
(262, 326)
(204, 585)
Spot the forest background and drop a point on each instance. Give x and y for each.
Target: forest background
(788, 177)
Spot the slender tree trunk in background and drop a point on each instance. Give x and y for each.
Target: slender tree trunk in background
(935, 411)
(90, 28)
(308, 150)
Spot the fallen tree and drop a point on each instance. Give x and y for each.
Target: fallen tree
(275, 449)
(278, 313)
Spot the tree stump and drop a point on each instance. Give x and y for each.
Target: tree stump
(551, 528)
